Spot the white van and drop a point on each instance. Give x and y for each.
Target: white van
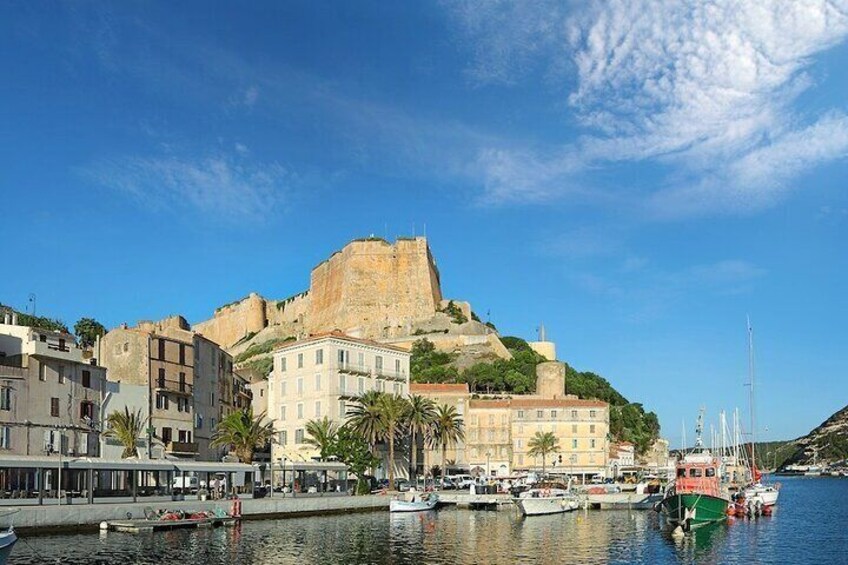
(185, 484)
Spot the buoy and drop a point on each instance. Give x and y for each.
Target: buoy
(104, 526)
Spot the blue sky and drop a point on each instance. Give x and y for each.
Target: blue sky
(639, 176)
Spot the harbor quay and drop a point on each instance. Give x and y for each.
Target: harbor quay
(88, 517)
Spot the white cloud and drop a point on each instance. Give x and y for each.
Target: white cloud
(706, 88)
(218, 186)
(251, 95)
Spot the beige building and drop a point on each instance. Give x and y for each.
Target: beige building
(311, 377)
(50, 396)
(498, 430)
(191, 381)
(452, 394)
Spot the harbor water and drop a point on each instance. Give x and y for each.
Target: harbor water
(808, 527)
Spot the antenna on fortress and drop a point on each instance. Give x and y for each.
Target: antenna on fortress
(542, 332)
(425, 230)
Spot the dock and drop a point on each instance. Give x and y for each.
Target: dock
(477, 501)
(142, 526)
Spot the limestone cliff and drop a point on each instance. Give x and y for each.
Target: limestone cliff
(370, 288)
(827, 443)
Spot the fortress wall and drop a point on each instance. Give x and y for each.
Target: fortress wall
(232, 322)
(288, 311)
(374, 285)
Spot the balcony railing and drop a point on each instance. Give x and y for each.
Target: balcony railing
(181, 447)
(175, 387)
(366, 371)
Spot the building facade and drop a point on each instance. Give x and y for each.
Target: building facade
(499, 429)
(50, 395)
(190, 379)
(312, 377)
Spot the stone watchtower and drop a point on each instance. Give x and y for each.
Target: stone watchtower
(550, 379)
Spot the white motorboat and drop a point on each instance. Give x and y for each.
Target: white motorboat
(539, 501)
(415, 502)
(7, 541)
(766, 494)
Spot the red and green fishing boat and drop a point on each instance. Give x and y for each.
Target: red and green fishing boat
(697, 497)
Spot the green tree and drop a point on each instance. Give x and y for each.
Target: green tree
(542, 444)
(351, 449)
(365, 417)
(321, 434)
(242, 433)
(87, 331)
(447, 430)
(126, 427)
(419, 419)
(393, 411)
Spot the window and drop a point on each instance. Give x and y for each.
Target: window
(5, 437)
(298, 435)
(397, 366)
(300, 411)
(282, 364)
(553, 414)
(300, 360)
(283, 413)
(592, 413)
(342, 409)
(166, 435)
(342, 384)
(318, 382)
(166, 401)
(574, 444)
(42, 372)
(695, 473)
(540, 414)
(62, 344)
(200, 421)
(361, 385)
(519, 443)
(6, 398)
(161, 349)
(592, 428)
(592, 444)
(521, 414)
(319, 357)
(179, 404)
(520, 459)
(491, 435)
(61, 370)
(574, 428)
(182, 382)
(183, 437)
(42, 338)
(182, 354)
(378, 363)
(300, 386)
(318, 409)
(212, 398)
(212, 423)
(710, 472)
(361, 359)
(126, 347)
(87, 409)
(161, 383)
(574, 414)
(284, 437)
(54, 407)
(343, 357)
(396, 388)
(86, 378)
(681, 472)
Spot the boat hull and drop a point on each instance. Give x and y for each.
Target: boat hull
(551, 505)
(7, 542)
(693, 510)
(407, 506)
(766, 495)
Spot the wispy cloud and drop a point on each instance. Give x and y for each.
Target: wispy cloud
(221, 186)
(706, 88)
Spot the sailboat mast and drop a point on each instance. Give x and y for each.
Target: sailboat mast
(751, 393)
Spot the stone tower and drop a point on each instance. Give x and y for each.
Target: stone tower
(550, 379)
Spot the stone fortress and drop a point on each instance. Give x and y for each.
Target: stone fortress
(371, 289)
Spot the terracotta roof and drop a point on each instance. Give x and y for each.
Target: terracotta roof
(335, 334)
(424, 388)
(519, 402)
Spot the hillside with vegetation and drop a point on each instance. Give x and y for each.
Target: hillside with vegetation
(628, 420)
(826, 444)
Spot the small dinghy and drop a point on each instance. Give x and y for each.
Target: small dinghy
(414, 503)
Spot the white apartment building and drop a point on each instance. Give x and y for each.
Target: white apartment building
(311, 377)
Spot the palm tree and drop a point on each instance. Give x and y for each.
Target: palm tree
(393, 411)
(419, 419)
(242, 433)
(321, 434)
(364, 416)
(126, 427)
(447, 430)
(542, 444)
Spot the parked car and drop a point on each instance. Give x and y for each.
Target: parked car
(463, 481)
(402, 485)
(448, 484)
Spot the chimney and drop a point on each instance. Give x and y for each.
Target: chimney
(7, 318)
(14, 318)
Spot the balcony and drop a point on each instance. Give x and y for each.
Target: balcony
(181, 448)
(173, 387)
(354, 369)
(399, 376)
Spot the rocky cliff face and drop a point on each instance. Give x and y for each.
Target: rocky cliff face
(827, 443)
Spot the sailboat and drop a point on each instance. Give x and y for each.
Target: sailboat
(696, 497)
(765, 495)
